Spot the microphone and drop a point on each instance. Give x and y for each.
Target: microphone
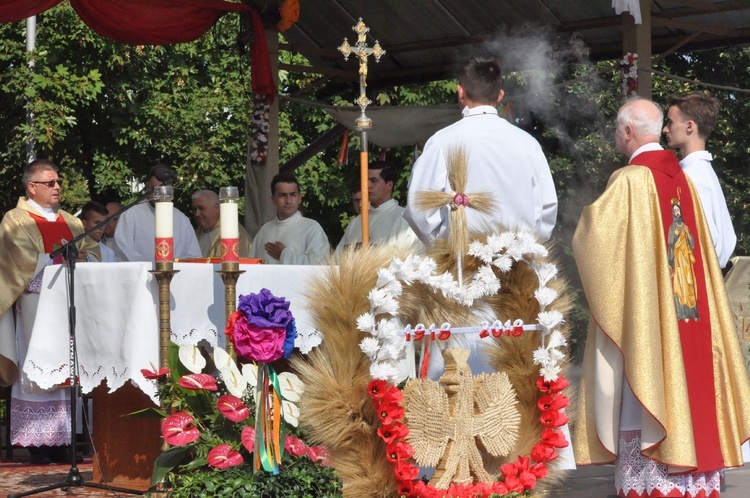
(166, 175)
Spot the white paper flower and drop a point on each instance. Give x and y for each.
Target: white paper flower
(480, 251)
(541, 356)
(366, 322)
(385, 276)
(291, 386)
(392, 348)
(236, 382)
(545, 272)
(385, 370)
(549, 373)
(556, 340)
(545, 296)
(550, 319)
(191, 358)
(290, 412)
(504, 263)
(370, 346)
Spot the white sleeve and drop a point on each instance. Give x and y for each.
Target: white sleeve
(125, 245)
(428, 173)
(316, 251)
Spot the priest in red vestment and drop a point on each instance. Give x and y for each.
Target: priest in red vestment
(664, 392)
(40, 419)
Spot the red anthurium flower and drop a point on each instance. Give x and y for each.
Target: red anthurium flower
(233, 408)
(553, 418)
(247, 436)
(553, 438)
(390, 413)
(539, 470)
(319, 454)
(154, 373)
(405, 471)
(229, 329)
(400, 450)
(552, 402)
(196, 382)
(224, 456)
(542, 453)
(295, 446)
(377, 389)
(393, 432)
(554, 386)
(178, 429)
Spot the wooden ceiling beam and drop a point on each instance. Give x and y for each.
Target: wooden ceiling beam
(674, 48)
(690, 26)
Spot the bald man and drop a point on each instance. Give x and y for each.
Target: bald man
(207, 216)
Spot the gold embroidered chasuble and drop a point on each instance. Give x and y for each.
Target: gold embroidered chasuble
(633, 334)
(21, 244)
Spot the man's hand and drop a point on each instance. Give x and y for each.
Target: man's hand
(274, 249)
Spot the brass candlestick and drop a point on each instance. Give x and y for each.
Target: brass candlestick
(164, 272)
(230, 272)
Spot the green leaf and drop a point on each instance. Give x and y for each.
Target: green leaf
(167, 461)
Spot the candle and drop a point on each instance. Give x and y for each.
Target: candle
(230, 230)
(164, 244)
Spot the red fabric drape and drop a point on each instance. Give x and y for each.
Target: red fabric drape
(261, 75)
(18, 10)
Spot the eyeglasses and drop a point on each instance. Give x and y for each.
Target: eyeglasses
(51, 183)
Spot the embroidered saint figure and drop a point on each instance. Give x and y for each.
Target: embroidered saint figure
(681, 261)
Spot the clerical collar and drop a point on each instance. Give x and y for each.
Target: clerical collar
(48, 213)
(479, 110)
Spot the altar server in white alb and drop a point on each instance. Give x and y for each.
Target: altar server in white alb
(290, 238)
(503, 160)
(690, 120)
(136, 228)
(387, 225)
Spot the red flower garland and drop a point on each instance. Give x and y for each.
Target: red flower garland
(517, 477)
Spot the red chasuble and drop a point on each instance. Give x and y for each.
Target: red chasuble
(691, 302)
(52, 232)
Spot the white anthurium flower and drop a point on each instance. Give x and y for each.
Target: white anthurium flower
(556, 340)
(250, 373)
(545, 296)
(550, 319)
(370, 346)
(291, 386)
(191, 358)
(236, 382)
(222, 358)
(290, 412)
(366, 322)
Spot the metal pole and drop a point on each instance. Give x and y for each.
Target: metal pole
(30, 47)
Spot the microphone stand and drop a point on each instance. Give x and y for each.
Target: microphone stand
(70, 253)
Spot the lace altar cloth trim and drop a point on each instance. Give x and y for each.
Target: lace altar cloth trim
(39, 423)
(639, 477)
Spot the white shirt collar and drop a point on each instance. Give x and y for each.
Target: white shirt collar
(695, 157)
(48, 213)
(480, 109)
(646, 148)
(293, 217)
(384, 207)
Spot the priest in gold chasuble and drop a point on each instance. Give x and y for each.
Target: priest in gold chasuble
(664, 393)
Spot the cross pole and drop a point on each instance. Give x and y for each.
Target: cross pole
(363, 123)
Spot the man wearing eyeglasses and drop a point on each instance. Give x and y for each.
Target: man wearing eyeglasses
(28, 234)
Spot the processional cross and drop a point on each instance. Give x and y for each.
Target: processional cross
(363, 123)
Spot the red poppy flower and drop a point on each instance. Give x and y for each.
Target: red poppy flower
(539, 470)
(405, 471)
(295, 446)
(393, 432)
(527, 480)
(552, 402)
(500, 488)
(154, 373)
(405, 488)
(390, 413)
(229, 329)
(247, 436)
(514, 485)
(554, 386)
(377, 389)
(553, 418)
(233, 408)
(224, 456)
(319, 454)
(196, 382)
(178, 429)
(542, 453)
(553, 438)
(400, 450)
(393, 395)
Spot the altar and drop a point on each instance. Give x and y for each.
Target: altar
(117, 335)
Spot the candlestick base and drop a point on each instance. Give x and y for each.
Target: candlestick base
(230, 272)
(164, 271)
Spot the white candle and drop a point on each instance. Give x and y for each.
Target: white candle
(229, 212)
(164, 220)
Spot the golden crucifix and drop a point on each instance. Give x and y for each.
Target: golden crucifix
(363, 123)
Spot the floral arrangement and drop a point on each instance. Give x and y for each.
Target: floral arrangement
(388, 349)
(239, 412)
(629, 71)
(259, 129)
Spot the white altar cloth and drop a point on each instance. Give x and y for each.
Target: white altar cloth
(117, 327)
